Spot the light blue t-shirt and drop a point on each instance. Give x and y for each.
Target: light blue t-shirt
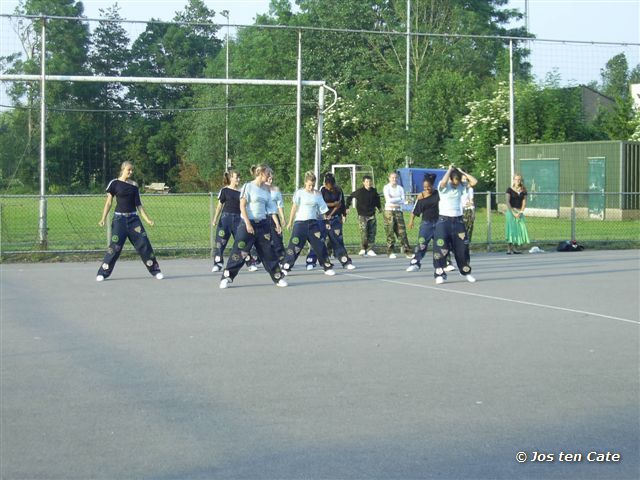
(451, 200)
(259, 201)
(276, 199)
(310, 205)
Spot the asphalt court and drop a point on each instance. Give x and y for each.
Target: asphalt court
(372, 373)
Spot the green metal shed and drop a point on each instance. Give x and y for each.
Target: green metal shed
(604, 176)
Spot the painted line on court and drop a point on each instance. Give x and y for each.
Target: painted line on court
(502, 299)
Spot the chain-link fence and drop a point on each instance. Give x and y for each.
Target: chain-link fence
(183, 222)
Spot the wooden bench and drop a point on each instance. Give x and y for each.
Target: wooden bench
(158, 187)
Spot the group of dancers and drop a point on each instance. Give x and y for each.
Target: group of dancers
(253, 214)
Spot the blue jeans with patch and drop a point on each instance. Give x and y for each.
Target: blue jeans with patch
(123, 227)
(335, 240)
(425, 235)
(227, 226)
(451, 236)
(244, 241)
(303, 231)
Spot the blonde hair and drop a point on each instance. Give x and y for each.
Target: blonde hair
(521, 185)
(257, 170)
(309, 176)
(124, 165)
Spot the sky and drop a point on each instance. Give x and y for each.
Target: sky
(571, 20)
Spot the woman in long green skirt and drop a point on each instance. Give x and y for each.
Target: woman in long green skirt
(515, 226)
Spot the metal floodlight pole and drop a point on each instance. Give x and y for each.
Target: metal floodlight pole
(42, 220)
(512, 128)
(299, 109)
(227, 163)
(318, 160)
(408, 79)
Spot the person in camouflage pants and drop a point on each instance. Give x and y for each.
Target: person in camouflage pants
(394, 225)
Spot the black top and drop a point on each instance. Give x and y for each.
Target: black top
(515, 198)
(366, 201)
(127, 195)
(334, 196)
(427, 207)
(230, 199)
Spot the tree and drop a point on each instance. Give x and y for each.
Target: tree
(109, 56)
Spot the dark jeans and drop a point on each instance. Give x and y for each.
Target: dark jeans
(425, 235)
(303, 231)
(227, 227)
(244, 241)
(451, 236)
(276, 240)
(123, 227)
(336, 241)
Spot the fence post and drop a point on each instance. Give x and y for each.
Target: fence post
(212, 228)
(573, 216)
(488, 221)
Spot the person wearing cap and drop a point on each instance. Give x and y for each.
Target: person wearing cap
(332, 228)
(126, 224)
(367, 202)
(255, 229)
(451, 234)
(426, 206)
(394, 199)
(307, 206)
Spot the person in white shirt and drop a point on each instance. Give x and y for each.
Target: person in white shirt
(394, 225)
(451, 234)
(308, 205)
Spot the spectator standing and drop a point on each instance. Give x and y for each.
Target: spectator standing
(367, 202)
(394, 200)
(515, 227)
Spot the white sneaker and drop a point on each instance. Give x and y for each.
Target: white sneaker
(216, 268)
(363, 252)
(159, 276)
(439, 280)
(100, 278)
(413, 268)
(310, 266)
(350, 266)
(449, 268)
(224, 283)
(282, 283)
(393, 255)
(371, 253)
(470, 278)
(331, 272)
(252, 268)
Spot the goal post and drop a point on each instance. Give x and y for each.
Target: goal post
(43, 79)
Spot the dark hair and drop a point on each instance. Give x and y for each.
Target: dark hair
(456, 173)
(226, 176)
(329, 178)
(430, 177)
(367, 177)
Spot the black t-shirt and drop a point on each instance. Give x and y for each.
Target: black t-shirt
(427, 207)
(334, 196)
(127, 195)
(230, 199)
(366, 201)
(515, 198)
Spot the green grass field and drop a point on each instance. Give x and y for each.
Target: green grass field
(182, 222)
